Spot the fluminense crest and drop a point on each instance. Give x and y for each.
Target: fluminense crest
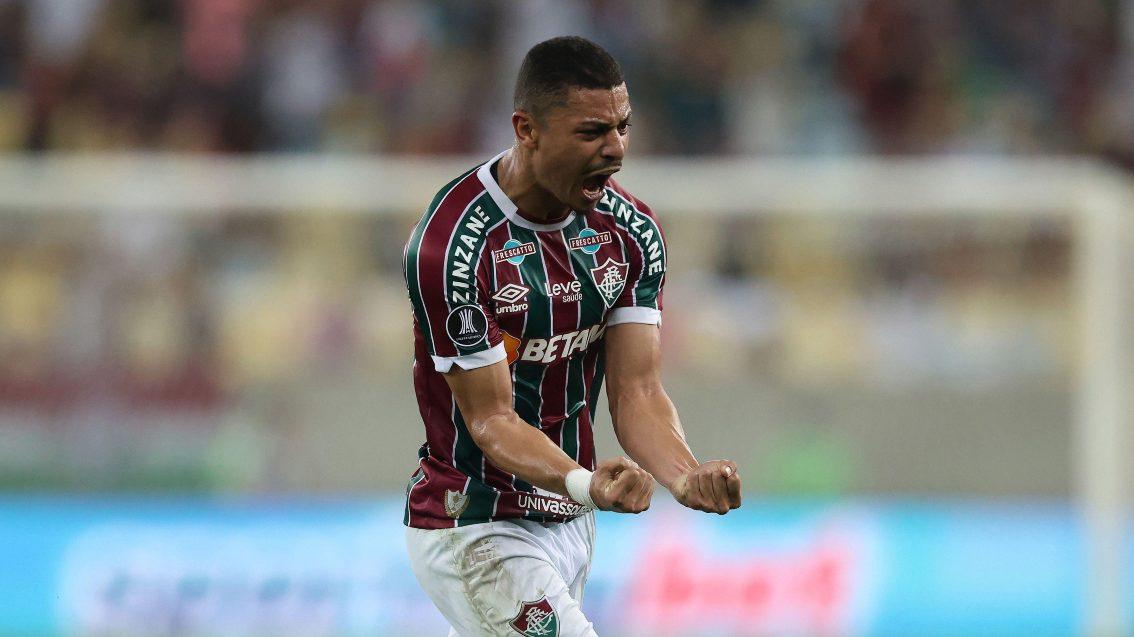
(610, 279)
(537, 619)
(455, 503)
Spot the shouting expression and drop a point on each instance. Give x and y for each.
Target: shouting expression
(577, 145)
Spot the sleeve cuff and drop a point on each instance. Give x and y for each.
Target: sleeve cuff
(635, 314)
(471, 361)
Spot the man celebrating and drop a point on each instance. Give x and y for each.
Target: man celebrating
(531, 277)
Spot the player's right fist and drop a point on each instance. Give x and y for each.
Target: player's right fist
(621, 485)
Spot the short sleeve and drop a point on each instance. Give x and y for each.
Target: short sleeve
(641, 300)
(448, 295)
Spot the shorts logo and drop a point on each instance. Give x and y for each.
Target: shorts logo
(610, 279)
(455, 503)
(589, 241)
(513, 252)
(537, 619)
(467, 325)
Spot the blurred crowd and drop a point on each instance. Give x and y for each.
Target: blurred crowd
(707, 76)
(258, 351)
(272, 350)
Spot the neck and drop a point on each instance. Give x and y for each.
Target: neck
(517, 180)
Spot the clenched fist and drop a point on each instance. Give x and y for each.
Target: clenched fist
(713, 487)
(621, 485)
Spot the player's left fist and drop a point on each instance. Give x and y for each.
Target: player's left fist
(713, 487)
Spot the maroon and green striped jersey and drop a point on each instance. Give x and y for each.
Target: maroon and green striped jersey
(488, 285)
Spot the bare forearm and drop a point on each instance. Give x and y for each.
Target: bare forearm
(650, 432)
(648, 427)
(522, 450)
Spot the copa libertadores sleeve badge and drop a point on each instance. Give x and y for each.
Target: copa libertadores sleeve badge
(467, 325)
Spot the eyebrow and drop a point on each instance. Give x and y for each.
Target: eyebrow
(602, 123)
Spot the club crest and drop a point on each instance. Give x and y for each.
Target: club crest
(455, 503)
(537, 619)
(610, 279)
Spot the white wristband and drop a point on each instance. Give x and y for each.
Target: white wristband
(579, 486)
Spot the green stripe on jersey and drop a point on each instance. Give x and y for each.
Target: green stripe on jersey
(469, 236)
(413, 246)
(469, 460)
(481, 501)
(466, 455)
(575, 405)
(529, 374)
(591, 310)
(596, 382)
(647, 235)
(418, 476)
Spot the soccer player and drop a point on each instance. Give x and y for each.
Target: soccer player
(531, 277)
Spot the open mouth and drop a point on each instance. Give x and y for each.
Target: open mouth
(594, 185)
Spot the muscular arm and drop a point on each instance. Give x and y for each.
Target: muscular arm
(484, 396)
(645, 420)
(648, 428)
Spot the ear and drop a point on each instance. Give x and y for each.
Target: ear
(526, 128)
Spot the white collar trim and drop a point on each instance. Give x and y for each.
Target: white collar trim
(509, 208)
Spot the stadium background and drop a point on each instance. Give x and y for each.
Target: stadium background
(206, 416)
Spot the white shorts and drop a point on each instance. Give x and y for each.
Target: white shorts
(512, 577)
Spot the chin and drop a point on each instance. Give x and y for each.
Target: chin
(577, 203)
(584, 206)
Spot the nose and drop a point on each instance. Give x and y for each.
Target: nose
(614, 146)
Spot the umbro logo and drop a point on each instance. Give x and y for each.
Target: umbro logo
(511, 299)
(511, 293)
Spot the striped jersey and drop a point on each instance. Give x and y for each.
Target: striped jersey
(486, 285)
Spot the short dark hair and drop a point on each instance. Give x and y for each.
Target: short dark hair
(553, 66)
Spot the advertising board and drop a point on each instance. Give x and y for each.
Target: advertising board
(338, 567)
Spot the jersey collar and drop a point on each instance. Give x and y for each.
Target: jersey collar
(484, 173)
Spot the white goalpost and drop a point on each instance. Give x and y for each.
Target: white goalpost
(1097, 199)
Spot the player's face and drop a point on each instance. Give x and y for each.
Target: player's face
(581, 144)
